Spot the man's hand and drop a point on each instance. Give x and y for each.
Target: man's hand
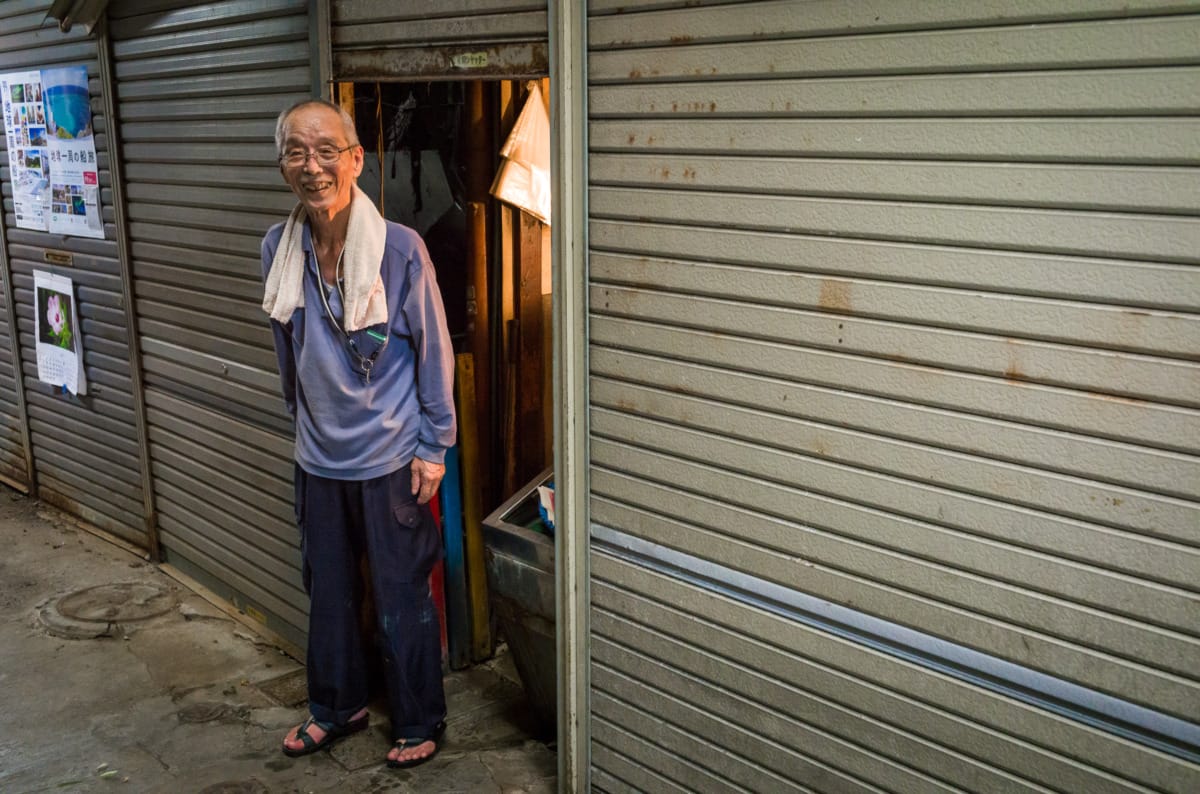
(425, 479)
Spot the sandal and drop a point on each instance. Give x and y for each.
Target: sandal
(332, 734)
(402, 744)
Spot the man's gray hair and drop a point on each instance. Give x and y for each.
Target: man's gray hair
(347, 121)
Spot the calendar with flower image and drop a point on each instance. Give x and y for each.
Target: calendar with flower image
(59, 348)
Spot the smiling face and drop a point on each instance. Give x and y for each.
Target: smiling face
(324, 190)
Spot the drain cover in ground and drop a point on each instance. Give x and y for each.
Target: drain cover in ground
(250, 786)
(208, 712)
(289, 689)
(101, 611)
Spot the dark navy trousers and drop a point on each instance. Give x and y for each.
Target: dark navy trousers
(340, 521)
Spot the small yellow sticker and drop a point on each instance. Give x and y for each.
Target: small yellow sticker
(470, 60)
(254, 613)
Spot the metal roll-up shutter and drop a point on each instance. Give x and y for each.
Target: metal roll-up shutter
(198, 88)
(389, 39)
(14, 469)
(85, 449)
(894, 331)
(14, 460)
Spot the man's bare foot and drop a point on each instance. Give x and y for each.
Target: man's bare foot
(416, 750)
(294, 742)
(406, 753)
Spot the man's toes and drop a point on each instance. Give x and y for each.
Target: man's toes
(293, 741)
(411, 752)
(423, 750)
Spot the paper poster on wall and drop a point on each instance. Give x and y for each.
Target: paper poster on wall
(51, 151)
(28, 147)
(57, 331)
(74, 174)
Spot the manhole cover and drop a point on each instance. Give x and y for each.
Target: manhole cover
(119, 603)
(103, 610)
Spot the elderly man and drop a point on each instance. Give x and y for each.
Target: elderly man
(367, 371)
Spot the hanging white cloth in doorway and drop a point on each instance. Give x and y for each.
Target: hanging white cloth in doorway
(523, 179)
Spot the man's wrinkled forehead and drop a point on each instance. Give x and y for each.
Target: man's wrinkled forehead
(313, 122)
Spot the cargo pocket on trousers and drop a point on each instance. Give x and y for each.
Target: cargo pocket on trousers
(422, 543)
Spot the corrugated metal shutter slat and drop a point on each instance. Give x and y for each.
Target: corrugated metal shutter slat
(1144, 42)
(657, 23)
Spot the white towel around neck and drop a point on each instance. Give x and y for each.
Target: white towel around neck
(362, 286)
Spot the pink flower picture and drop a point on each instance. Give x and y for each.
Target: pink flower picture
(56, 318)
(54, 314)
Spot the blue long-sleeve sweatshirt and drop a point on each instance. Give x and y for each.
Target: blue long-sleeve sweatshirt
(349, 428)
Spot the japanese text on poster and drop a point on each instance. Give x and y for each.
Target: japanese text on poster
(48, 128)
(57, 331)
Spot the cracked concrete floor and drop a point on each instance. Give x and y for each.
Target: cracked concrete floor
(173, 705)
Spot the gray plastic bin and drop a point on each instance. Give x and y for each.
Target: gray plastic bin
(520, 568)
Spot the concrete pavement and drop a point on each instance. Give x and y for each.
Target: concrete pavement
(163, 692)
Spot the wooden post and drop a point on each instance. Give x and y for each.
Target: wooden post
(468, 442)
(504, 328)
(510, 408)
(531, 357)
(345, 97)
(506, 382)
(480, 164)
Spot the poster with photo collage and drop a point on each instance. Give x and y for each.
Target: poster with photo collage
(48, 129)
(28, 147)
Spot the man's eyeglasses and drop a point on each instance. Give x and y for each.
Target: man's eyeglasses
(325, 155)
